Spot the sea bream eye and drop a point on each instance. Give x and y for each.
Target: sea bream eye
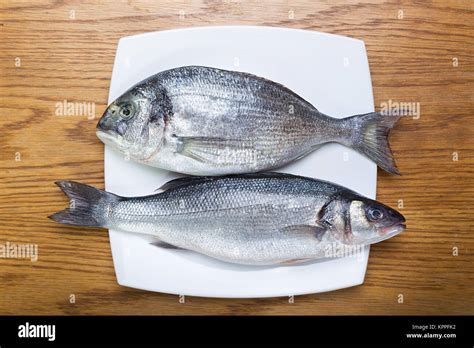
(374, 214)
(127, 110)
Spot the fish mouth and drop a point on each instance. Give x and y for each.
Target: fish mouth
(396, 226)
(392, 230)
(389, 232)
(118, 143)
(108, 138)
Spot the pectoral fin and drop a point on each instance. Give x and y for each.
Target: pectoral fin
(209, 149)
(317, 231)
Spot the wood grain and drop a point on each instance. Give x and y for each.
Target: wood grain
(411, 60)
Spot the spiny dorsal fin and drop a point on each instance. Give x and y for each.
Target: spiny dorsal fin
(252, 77)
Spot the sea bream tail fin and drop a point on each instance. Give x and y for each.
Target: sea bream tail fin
(87, 205)
(371, 138)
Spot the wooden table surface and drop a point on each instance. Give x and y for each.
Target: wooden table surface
(419, 52)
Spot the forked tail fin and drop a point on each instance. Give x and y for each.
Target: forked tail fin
(87, 205)
(370, 138)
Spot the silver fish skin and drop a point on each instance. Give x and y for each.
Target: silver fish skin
(254, 219)
(206, 121)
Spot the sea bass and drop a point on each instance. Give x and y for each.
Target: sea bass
(206, 121)
(253, 219)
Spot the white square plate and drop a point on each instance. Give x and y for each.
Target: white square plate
(330, 71)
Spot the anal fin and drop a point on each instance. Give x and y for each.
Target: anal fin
(292, 262)
(164, 245)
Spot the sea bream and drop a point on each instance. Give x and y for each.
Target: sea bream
(253, 219)
(205, 121)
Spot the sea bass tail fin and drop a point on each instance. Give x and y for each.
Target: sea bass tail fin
(371, 138)
(87, 205)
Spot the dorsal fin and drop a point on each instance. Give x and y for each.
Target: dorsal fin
(191, 180)
(276, 84)
(250, 76)
(180, 182)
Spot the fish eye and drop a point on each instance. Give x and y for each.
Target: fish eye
(126, 110)
(374, 214)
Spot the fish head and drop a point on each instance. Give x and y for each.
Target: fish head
(357, 220)
(372, 222)
(132, 124)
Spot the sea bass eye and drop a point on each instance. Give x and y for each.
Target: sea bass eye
(127, 110)
(374, 214)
